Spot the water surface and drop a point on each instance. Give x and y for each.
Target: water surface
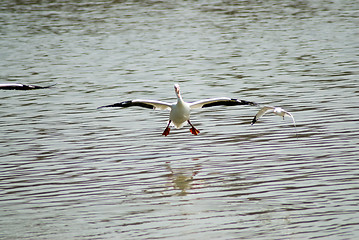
(71, 171)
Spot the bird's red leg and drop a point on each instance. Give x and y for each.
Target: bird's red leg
(193, 130)
(167, 130)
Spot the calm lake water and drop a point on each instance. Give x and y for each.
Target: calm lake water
(72, 171)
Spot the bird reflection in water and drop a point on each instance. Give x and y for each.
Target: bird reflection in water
(182, 178)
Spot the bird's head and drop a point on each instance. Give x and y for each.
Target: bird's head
(177, 90)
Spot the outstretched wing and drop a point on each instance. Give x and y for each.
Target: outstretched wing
(261, 112)
(151, 104)
(295, 126)
(290, 115)
(222, 101)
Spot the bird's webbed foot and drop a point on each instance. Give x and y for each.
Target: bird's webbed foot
(194, 131)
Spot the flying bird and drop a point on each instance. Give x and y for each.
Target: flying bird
(180, 110)
(276, 110)
(20, 86)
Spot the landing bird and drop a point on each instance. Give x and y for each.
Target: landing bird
(276, 110)
(20, 86)
(180, 111)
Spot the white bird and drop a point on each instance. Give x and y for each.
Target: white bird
(180, 111)
(276, 110)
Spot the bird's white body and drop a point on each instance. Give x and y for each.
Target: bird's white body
(180, 113)
(281, 112)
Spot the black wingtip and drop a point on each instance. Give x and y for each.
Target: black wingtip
(129, 103)
(254, 121)
(31, 87)
(112, 105)
(244, 102)
(50, 86)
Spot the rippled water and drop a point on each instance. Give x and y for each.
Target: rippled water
(70, 171)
